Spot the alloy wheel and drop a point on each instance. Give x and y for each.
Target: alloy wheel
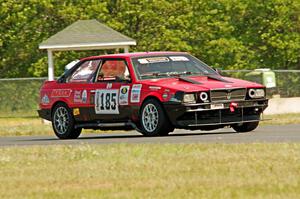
(150, 117)
(61, 120)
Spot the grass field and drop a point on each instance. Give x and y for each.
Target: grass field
(151, 171)
(24, 126)
(282, 119)
(11, 126)
(147, 170)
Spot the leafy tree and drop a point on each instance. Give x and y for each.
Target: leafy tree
(232, 34)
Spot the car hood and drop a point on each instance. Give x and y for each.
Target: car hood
(200, 83)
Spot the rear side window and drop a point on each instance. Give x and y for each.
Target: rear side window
(85, 72)
(113, 70)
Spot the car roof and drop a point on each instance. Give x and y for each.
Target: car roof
(135, 54)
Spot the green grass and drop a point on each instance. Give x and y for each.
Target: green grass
(17, 126)
(14, 126)
(282, 119)
(151, 171)
(24, 126)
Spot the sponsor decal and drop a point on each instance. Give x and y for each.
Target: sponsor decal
(179, 58)
(136, 93)
(216, 106)
(109, 85)
(77, 96)
(165, 95)
(80, 96)
(154, 87)
(124, 89)
(45, 99)
(106, 101)
(76, 111)
(123, 96)
(153, 60)
(84, 96)
(61, 93)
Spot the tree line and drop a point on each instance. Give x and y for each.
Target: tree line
(228, 34)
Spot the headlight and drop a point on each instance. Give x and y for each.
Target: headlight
(189, 98)
(203, 96)
(256, 93)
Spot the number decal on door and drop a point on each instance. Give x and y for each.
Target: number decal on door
(106, 101)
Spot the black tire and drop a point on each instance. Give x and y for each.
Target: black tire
(148, 126)
(245, 127)
(63, 122)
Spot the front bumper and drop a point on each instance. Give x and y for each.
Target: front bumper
(200, 115)
(45, 114)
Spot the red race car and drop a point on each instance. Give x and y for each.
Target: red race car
(152, 92)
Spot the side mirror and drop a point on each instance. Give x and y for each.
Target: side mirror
(218, 70)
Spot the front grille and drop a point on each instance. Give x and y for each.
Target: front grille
(228, 94)
(218, 117)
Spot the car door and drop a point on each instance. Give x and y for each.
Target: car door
(111, 91)
(80, 82)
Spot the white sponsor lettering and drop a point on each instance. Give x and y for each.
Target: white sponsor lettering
(179, 58)
(109, 85)
(153, 60)
(154, 87)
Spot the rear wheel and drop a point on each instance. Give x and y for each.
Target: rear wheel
(153, 120)
(63, 122)
(245, 127)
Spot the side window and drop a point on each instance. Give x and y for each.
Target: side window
(85, 72)
(113, 70)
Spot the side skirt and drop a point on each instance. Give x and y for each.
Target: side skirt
(108, 126)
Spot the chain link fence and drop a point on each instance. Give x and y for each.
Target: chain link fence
(19, 96)
(287, 81)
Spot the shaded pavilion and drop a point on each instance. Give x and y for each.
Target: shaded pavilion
(84, 35)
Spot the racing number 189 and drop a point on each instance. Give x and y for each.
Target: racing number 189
(106, 102)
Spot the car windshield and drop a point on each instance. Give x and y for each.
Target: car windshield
(149, 67)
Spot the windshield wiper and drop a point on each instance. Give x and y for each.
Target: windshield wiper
(179, 74)
(155, 74)
(159, 74)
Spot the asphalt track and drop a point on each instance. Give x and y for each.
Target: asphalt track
(273, 134)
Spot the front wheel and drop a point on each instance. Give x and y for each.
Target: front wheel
(245, 127)
(153, 120)
(63, 122)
